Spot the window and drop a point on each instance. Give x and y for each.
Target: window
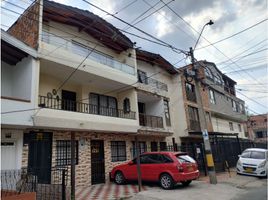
(239, 127)
(154, 146)
(142, 77)
(102, 105)
(259, 134)
(118, 151)
(234, 105)
(190, 92)
(208, 73)
(231, 126)
(126, 105)
(193, 118)
(167, 115)
(212, 96)
(142, 147)
(218, 79)
(163, 146)
(63, 152)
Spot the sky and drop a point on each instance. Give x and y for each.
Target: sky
(242, 57)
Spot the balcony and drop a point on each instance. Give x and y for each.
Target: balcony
(153, 83)
(194, 125)
(84, 51)
(74, 106)
(190, 96)
(151, 121)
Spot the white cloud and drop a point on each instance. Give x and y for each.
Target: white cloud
(163, 26)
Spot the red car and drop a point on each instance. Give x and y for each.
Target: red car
(167, 168)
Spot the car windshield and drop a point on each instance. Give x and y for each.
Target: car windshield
(185, 159)
(253, 154)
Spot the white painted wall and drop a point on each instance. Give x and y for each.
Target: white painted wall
(24, 85)
(222, 125)
(17, 79)
(11, 156)
(177, 111)
(64, 54)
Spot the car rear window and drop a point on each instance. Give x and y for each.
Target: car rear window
(253, 154)
(185, 159)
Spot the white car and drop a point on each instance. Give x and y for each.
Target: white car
(253, 161)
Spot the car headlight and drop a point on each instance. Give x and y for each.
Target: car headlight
(239, 163)
(262, 164)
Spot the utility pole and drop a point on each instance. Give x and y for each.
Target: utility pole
(202, 115)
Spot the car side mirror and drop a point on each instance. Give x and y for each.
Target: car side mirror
(131, 163)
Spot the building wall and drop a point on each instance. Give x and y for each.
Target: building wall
(11, 155)
(83, 169)
(222, 125)
(27, 26)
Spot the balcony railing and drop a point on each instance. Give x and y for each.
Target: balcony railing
(151, 121)
(83, 50)
(74, 106)
(191, 96)
(154, 83)
(194, 125)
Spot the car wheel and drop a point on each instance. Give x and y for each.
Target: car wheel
(166, 181)
(186, 183)
(119, 178)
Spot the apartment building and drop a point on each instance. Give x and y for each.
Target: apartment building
(86, 81)
(224, 112)
(257, 128)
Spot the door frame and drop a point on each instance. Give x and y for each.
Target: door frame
(32, 136)
(101, 181)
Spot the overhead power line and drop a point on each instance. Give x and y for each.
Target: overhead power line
(138, 29)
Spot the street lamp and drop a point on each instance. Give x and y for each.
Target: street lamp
(191, 52)
(209, 23)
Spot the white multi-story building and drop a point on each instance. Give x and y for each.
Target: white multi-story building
(82, 77)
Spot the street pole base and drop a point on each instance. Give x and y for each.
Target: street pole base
(212, 177)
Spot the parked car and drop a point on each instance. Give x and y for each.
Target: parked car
(253, 161)
(167, 168)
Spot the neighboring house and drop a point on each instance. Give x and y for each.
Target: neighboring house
(19, 73)
(224, 112)
(257, 128)
(86, 82)
(157, 97)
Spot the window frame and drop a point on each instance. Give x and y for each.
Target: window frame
(212, 98)
(239, 127)
(99, 110)
(231, 126)
(167, 112)
(66, 160)
(119, 146)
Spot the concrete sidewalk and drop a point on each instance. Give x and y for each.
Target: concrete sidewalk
(229, 187)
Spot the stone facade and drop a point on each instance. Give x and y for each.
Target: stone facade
(83, 168)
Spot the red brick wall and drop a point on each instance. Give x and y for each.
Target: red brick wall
(204, 95)
(26, 27)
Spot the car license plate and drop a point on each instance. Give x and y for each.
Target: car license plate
(249, 170)
(190, 169)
